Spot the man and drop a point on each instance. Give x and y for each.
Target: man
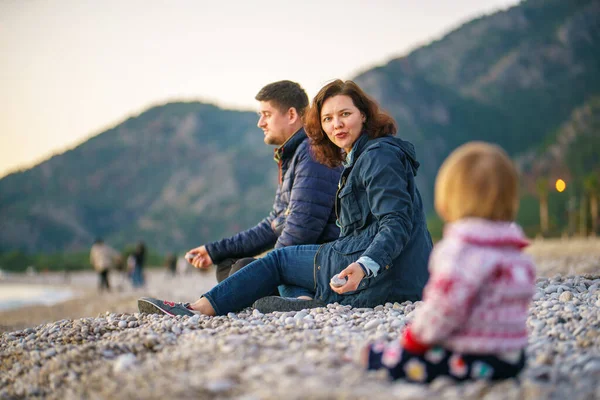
(103, 258)
(171, 264)
(303, 211)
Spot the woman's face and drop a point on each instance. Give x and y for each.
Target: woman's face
(341, 121)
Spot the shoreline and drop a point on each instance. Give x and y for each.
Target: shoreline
(578, 256)
(87, 302)
(14, 296)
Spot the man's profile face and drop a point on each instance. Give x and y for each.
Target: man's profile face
(273, 122)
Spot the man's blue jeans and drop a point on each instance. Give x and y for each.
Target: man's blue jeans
(292, 267)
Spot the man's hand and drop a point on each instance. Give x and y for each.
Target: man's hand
(199, 257)
(354, 273)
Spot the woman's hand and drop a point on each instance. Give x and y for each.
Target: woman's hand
(354, 273)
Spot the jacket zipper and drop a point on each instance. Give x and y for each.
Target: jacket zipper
(337, 199)
(280, 165)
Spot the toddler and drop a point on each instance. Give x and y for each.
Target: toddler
(471, 324)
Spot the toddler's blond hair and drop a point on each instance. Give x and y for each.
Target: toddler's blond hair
(477, 179)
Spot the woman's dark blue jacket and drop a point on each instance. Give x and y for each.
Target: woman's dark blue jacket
(381, 216)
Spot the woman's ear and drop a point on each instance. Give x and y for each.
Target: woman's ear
(364, 118)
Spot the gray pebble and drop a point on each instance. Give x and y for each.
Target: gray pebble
(592, 367)
(372, 324)
(301, 315)
(124, 363)
(336, 281)
(565, 296)
(219, 386)
(256, 313)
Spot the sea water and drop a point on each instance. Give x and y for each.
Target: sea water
(15, 295)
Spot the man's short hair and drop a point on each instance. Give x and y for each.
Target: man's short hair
(284, 95)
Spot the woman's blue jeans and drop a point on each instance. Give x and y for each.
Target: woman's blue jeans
(137, 278)
(290, 268)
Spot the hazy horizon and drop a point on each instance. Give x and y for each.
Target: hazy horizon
(76, 68)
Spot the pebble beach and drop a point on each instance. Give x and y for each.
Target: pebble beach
(100, 347)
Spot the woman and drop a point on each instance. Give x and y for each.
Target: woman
(139, 256)
(384, 244)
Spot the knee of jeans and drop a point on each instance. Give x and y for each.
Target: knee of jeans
(274, 254)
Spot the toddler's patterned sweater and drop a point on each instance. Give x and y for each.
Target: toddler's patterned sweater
(479, 290)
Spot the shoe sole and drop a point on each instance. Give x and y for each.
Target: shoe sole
(282, 305)
(144, 306)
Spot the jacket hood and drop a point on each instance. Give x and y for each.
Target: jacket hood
(487, 233)
(407, 148)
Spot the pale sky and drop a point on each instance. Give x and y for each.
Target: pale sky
(69, 69)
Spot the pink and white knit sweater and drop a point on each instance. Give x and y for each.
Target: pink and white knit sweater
(479, 290)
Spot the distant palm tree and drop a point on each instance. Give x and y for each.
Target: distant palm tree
(582, 216)
(591, 183)
(542, 192)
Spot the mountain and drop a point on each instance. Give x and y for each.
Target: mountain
(181, 174)
(174, 176)
(511, 78)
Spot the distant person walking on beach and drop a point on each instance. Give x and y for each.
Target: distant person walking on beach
(303, 208)
(183, 266)
(103, 258)
(139, 256)
(171, 264)
(472, 323)
(382, 252)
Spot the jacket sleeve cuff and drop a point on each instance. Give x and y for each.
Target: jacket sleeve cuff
(412, 344)
(210, 249)
(370, 264)
(378, 258)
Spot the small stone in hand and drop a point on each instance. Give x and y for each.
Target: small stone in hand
(336, 281)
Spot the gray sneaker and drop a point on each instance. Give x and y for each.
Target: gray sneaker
(149, 305)
(276, 303)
